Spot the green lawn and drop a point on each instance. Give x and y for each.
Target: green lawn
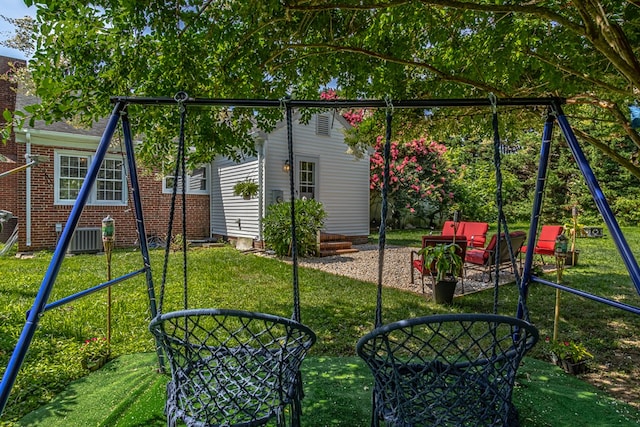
(129, 392)
(338, 309)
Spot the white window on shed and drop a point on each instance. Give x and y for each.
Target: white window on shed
(322, 125)
(307, 183)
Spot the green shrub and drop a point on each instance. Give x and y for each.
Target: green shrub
(626, 211)
(310, 217)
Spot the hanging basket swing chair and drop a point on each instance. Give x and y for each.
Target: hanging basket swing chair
(229, 368)
(446, 370)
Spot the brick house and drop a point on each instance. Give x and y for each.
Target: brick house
(42, 196)
(8, 150)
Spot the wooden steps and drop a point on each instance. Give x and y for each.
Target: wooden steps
(335, 244)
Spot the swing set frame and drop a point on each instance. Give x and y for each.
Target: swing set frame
(119, 114)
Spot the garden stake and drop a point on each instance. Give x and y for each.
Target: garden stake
(574, 214)
(108, 240)
(561, 256)
(556, 317)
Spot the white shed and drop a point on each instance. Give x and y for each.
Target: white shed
(324, 170)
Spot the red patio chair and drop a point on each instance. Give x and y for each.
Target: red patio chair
(449, 229)
(545, 245)
(476, 233)
(484, 259)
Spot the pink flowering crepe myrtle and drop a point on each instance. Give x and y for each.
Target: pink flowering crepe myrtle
(418, 172)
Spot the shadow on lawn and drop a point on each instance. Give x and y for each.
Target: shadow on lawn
(128, 392)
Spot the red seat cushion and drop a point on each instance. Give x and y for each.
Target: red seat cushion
(476, 256)
(543, 251)
(449, 228)
(476, 233)
(418, 265)
(547, 240)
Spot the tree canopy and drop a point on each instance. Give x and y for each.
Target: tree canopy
(583, 50)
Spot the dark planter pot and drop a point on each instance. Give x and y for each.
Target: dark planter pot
(574, 368)
(443, 291)
(94, 364)
(569, 259)
(570, 367)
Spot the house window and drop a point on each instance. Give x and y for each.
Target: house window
(110, 181)
(197, 182)
(322, 125)
(110, 187)
(307, 184)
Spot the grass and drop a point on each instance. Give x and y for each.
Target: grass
(338, 309)
(337, 394)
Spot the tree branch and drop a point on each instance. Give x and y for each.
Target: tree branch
(609, 39)
(582, 76)
(606, 36)
(360, 51)
(623, 120)
(527, 8)
(633, 169)
(619, 118)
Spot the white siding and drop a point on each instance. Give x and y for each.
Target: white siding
(232, 215)
(343, 180)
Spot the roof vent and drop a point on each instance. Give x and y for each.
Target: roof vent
(322, 125)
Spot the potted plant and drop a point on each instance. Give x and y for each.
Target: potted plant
(247, 189)
(94, 353)
(571, 356)
(444, 262)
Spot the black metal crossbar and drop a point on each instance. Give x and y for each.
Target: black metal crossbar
(232, 368)
(446, 370)
(343, 103)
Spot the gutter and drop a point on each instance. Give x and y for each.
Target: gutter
(28, 192)
(261, 180)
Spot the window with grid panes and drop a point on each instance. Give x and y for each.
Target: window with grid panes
(307, 184)
(71, 169)
(197, 182)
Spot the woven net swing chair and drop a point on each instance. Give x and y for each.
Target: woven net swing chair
(228, 367)
(450, 369)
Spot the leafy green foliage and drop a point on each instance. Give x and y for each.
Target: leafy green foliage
(86, 53)
(444, 259)
(571, 351)
(247, 188)
(310, 217)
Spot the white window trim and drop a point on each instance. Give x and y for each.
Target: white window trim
(168, 190)
(92, 199)
(316, 161)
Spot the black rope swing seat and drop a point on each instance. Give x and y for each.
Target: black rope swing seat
(228, 367)
(446, 370)
(231, 367)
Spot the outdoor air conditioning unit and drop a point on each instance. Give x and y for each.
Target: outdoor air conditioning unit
(593, 231)
(86, 241)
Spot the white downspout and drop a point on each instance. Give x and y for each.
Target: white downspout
(261, 181)
(28, 193)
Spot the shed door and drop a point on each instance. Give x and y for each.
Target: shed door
(307, 177)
